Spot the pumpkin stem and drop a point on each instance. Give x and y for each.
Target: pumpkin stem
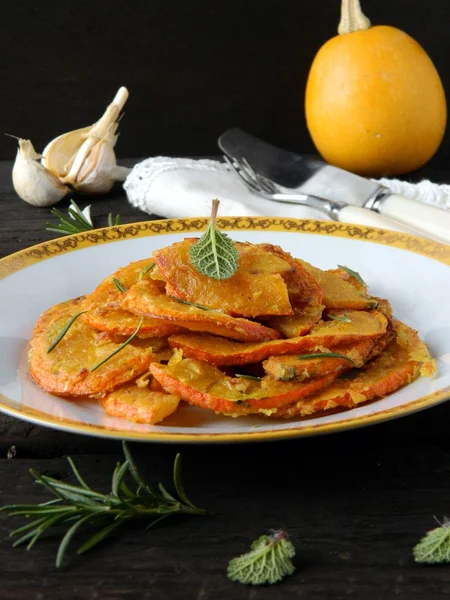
(352, 17)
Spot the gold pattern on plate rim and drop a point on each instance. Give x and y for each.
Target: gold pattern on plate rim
(404, 241)
(24, 258)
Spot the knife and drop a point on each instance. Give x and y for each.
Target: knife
(314, 177)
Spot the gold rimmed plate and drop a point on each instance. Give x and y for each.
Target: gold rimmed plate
(413, 273)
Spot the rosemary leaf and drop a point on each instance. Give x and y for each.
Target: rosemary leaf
(67, 538)
(119, 285)
(215, 254)
(245, 376)
(180, 301)
(354, 274)
(145, 270)
(327, 355)
(343, 319)
(64, 330)
(99, 536)
(178, 483)
(130, 339)
(111, 222)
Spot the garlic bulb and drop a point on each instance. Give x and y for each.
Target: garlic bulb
(85, 159)
(33, 182)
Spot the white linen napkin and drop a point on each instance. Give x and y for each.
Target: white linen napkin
(184, 187)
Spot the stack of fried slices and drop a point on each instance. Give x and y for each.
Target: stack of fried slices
(279, 338)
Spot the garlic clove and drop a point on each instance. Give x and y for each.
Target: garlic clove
(85, 159)
(32, 181)
(58, 154)
(95, 175)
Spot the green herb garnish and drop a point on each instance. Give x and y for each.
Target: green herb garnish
(327, 355)
(215, 254)
(344, 319)
(64, 330)
(77, 220)
(354, 274)
(434, 547)
(119, 285)
(245, 376)
(269, 561)
(116, 220)
(130, 339)
(78, 506)
(145, 270)
(180, 301)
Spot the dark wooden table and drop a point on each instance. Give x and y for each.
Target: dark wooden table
(353, 503)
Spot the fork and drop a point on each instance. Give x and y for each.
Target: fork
(337, 211)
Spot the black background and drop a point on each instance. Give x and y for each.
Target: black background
(193, 68)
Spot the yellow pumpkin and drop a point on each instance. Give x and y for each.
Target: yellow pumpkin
(374, 101)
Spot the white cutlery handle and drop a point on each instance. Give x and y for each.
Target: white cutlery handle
(431, 221)
(370, 218)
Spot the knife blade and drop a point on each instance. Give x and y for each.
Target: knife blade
(311, 176)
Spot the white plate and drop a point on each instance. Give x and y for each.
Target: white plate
(412, 273)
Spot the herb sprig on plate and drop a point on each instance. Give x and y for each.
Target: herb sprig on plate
(215, 254)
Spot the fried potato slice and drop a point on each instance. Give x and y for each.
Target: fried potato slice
(304, 293)
(139, 404)
(145, 299)
(66, 369)
(338, 292)
(206, 386)
(401, 363)
(105, 313)
(219, 351)
(256, 289)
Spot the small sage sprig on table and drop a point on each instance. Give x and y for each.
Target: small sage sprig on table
(215, 254)
(268, 561)
(434, 547)
(80, 506)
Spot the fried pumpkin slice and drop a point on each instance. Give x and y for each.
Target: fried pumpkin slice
(256, 289)
(206, 386)
(105, 313)
(144, 298)
(219, 351)
(304, 293)
(296, 367)
(66, 370)
(139, 404)
(289, 367)
(338, 292)
(402, 362)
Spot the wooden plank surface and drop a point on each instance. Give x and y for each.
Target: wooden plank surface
(354, 503)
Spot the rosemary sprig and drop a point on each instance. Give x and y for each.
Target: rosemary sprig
(343, 319)
(78, 506)
(245, 376)
(119, 285)
(77, 220)
(354, 274)
(327, 355)
(117, 350)
(64, 330)
(145, 270)
(189, 303)
(215, 254)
